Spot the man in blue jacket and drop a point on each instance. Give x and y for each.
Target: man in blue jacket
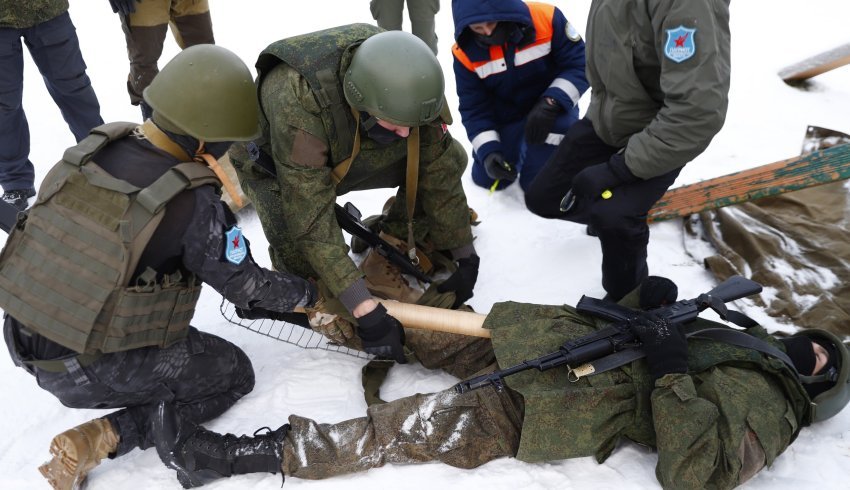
(520, 73)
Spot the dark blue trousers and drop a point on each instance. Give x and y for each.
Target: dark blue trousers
(55, 50)
(619, 222)
(528, 159)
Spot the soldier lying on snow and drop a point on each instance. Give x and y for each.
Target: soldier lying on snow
(716, 412)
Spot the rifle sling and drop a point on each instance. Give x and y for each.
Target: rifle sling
(726, 335)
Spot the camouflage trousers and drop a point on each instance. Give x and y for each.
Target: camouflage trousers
(462, 430)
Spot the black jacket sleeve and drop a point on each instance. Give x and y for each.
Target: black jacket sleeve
(240, 281)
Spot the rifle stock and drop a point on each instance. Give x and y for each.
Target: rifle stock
(348, 218)
(619, 335)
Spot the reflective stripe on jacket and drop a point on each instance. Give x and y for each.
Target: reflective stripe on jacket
(498, 85)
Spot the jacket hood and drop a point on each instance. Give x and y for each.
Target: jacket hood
(465, 12)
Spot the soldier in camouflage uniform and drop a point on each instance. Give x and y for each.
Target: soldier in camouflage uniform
(145, 24)
(51, 38)
(348, 109)
(139, 347)
(716, 412)
(659, 71)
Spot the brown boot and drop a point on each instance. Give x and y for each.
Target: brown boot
(384, 280)
(77, 451)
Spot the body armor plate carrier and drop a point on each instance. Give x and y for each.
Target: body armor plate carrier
(65, 270)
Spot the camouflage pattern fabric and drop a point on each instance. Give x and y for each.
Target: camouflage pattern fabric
(464, 431)
(715, 427)
(296, 208)
(458, 355)
(22, 14)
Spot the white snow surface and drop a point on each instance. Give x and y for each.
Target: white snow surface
(524, 258)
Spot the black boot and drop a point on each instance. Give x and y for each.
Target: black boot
(200, 456)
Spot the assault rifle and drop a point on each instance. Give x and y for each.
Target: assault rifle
(349, 219)
(607, 343)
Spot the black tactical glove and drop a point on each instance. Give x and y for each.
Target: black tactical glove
(462, 281)
(382, 334)
(497, 168)
(657, 291)
(665, 344)
(539, 122)
(124, 7)
(595, 179)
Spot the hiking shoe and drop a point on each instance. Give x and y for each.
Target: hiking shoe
(19, 197)
(77, 451)
(383, 279)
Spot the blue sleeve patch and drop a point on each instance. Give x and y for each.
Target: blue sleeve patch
(235, 250)
(680, 44)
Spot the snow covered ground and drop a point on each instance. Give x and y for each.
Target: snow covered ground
(524, 258)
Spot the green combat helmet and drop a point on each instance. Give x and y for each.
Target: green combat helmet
(830, 402)
(395, 77)
(206, 92)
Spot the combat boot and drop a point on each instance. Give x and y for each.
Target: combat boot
(383, 279)
(76, 451)
(200, 456)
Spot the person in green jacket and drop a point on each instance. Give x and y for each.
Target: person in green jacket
(659, 71)
(356, 108)
(715, 412)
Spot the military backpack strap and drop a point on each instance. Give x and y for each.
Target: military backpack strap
(330, 97)
(97, 139)
(411, 183)
(341, 170)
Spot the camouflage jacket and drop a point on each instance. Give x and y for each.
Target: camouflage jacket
(18, 14)
(294, 134)
(715, 427)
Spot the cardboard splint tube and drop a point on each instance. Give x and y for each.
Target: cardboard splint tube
(435, 319)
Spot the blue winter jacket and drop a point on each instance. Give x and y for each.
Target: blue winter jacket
(498, 85)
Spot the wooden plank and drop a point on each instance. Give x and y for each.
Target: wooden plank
(821, 63)
(817, 168)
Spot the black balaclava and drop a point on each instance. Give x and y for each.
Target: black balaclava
(502, 33)
(376, 132)
(802, 354)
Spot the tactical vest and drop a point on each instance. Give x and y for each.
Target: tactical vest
(321, 57)
(65, 269)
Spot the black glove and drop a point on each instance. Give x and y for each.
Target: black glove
(382, 334)
(665, 344)
(124, 7)
(497, 168)
(539, 122)
(657, 291)
(462, 281)
(594, 179)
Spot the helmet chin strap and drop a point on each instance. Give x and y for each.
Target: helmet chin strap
(202, 156)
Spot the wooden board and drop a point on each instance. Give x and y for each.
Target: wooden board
(821, 63)
(813, 169)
